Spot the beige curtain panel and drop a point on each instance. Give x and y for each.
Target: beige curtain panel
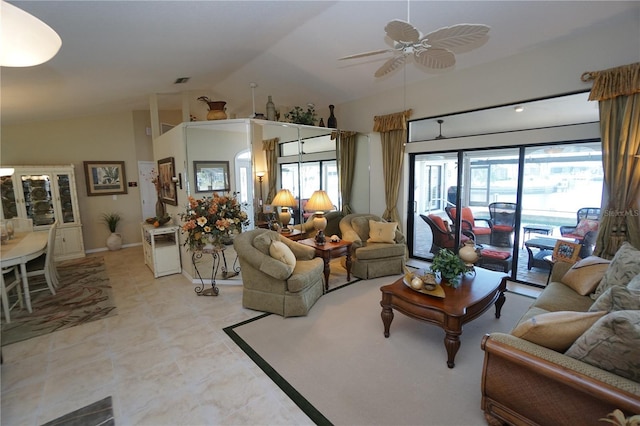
(393, 135)
(270, 146)
(347, 155)
(618, 93)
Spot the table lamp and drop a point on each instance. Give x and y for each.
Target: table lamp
(284, 198)
(319, 203)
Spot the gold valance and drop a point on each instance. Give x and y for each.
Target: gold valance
(395, 121)
(270, 144)
(614, 82)
(343, 133)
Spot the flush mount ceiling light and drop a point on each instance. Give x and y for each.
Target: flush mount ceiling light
(25, 40)
(519, 108)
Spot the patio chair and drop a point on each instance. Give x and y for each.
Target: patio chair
(503, 222)
(587, 221)
(442, 235)
(482, 233)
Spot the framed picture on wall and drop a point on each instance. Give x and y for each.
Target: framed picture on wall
(105, 177)
(566, 251)
(211, 176)
(168, 190)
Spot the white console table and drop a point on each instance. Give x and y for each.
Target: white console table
(161, 249)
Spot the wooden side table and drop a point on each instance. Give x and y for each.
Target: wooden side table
(329, 251)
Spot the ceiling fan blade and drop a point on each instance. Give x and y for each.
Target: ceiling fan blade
(362, 55)
(458, 38)
(402, 31)
(435, 58)
(391, 65)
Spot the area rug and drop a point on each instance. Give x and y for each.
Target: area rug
(338, 367)
(97, 414)
(83, 295)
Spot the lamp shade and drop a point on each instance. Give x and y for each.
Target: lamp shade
(319, 201)
(284, 198)
(25, 40)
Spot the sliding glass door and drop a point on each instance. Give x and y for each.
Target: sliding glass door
(537, 189)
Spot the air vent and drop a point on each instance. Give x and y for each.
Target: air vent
(181, 80)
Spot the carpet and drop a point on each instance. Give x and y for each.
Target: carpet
(83, 295)
(97, 414)
(338, 367)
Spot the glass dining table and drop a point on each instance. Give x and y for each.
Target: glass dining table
(20, 250)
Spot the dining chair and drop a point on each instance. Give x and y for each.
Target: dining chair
(6, 287)
(21, 224)
(45, 264)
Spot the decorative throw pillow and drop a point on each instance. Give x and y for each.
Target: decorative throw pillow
(556, 330)
(382, 232)
(612, 344)
(263, 241)
(584, 276)
(624, 266)
(584, 226)
(279, 251)
(617, 298)
(361, 226)
(634, 284)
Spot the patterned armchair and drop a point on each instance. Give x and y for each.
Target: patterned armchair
(370, 256)
(442, 236)
(482, 233)
(587, 221)
(288, 288)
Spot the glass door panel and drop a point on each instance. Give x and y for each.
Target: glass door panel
(558, 180)
(9, 202)
(434, 184)
(66, 200)
(38, 198)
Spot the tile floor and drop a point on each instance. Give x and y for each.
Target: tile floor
(164, 359)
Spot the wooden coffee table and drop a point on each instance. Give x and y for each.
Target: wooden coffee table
(460, 305)
(329, 251)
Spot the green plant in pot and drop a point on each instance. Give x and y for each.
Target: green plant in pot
(299, 116)
(114, 241)
(449, 266)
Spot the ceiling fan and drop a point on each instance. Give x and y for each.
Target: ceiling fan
(435, 50)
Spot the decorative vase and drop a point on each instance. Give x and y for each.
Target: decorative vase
(468, 253)
(271, 110)
(332, 122)
(114, 241)
(216, 110)
(160, 208)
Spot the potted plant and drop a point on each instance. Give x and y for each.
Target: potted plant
(449, 266)
(114, 241)
(299, 116)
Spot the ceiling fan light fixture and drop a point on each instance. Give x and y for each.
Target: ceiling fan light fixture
(435, 50)
(440, 135)
(25, 40)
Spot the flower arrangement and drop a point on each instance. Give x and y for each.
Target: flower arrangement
(212, 220)
(450, 267)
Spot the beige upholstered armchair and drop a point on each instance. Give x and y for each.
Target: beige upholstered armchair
(376, 251)
(278, 275)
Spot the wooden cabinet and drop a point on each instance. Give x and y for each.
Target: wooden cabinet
(46, 194)
(161, 249)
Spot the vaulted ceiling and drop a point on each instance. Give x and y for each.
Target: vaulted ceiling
(115, 54)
